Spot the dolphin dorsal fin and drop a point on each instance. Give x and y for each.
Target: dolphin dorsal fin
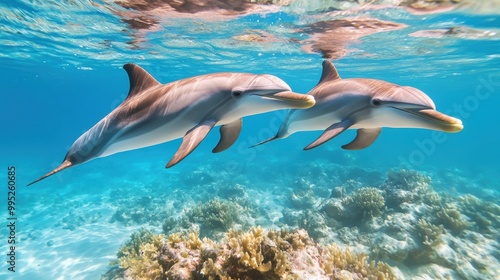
(139, 79)
(329, 72)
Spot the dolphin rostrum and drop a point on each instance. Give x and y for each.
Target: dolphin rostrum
(155, 113)
(366, 105)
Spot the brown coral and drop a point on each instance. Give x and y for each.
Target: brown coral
(256, 254)
(366, 201)
(452, 219)
(139, 256)
(338, 262)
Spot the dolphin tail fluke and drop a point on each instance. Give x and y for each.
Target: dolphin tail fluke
(65, 164)
(265, 141)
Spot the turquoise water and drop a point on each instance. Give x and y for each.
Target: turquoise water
(61, 66)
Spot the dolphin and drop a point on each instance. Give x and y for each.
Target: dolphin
(155, 113)
(366, 105)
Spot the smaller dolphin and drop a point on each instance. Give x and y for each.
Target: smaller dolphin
(155, 113)
(366, 105)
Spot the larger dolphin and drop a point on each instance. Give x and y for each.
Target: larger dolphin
(154, 113)
(366, 105)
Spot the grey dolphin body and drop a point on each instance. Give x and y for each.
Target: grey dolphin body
(155, 113)
(366, 105)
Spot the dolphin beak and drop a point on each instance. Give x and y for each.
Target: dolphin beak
(437, 120)
(292, 100)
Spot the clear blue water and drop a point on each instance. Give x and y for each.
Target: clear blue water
(61, 73)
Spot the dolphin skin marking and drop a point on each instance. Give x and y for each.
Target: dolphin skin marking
(155, 113)
(366, 105)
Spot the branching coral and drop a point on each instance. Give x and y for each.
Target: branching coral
(406, 179)
(337, 262)
(361, 205)
(169, 224)
(251, 254)
(181, 256)
(256, 254)
(452, 219)
(365, 202)
(139, 256)
(431, 235)
(283, 255)
(486, 215)
(405, 186)
(247, 250)
(215, 215)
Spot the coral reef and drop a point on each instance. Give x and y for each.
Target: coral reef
(407, 179)
(139, 256)
(256, 254)
(216, 215)
(484, 214)
(362, 204)
(402, 221)
(452, 219)
(339, 261)
(175, 210)
(430, 234)
(405, 186)
(211, 218)
(180, 257)
(365, 202)
(316, 225)
(247, 255)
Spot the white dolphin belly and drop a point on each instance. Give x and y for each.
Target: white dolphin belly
(299, 121)
(170, 130)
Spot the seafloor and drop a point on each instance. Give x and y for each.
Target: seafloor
(313, 219)
(328, 221)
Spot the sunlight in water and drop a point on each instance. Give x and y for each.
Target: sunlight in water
(421, 203)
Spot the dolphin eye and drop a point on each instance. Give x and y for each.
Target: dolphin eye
(376, 102)
(237, 93)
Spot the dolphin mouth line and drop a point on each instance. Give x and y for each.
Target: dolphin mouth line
(447, 123)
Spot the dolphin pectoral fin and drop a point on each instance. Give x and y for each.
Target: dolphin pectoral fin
(364, 138)
(332, 131)
(228, 135)
(191, 140)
